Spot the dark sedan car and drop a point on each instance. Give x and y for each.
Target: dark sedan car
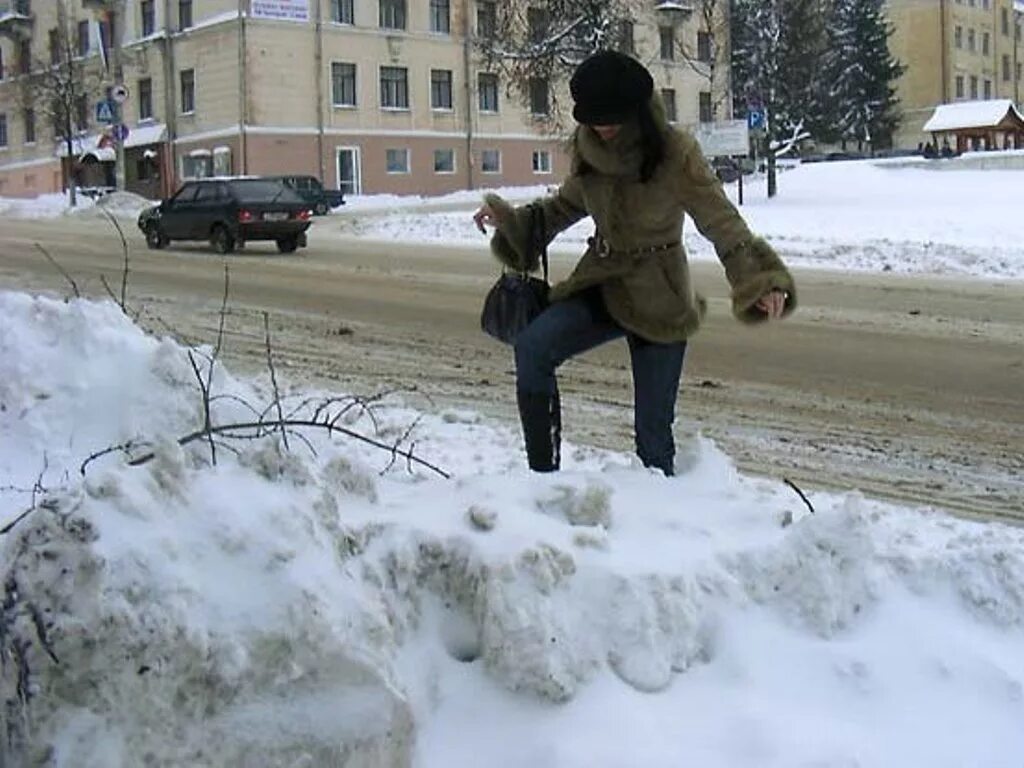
(229, 213)
(319, 197)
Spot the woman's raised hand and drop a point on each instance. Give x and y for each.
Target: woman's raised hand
(484, 218)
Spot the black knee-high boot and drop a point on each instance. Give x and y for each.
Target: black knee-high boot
(541, 415)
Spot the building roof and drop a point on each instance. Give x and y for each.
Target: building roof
(994, 113)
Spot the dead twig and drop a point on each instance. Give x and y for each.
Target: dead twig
(59, 268)
(124, 249)
(273, 381)
(205, 394)
(793, 485)
(330, 428)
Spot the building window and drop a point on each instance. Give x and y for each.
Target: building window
(1004, 21)
(1006, 67)
(188, 91)
(440, 16)
(704, 107)
(627, 37)
(985, 38)
(343, 84)
(541, 161)
(970, 41)
(667, 35)
(959, 86)
(440, 89)
(394, 87)
(487, 85)
(958, 36)
(397, 160)
(3, 130)
(988, 89)
(197, 166)
(537, 23)
(147, 10)
(704, 46)
(490, 161)
(668, 96)
(539, 103)
(184, 14)
(392, 14)
(81, 112)
(486, 18)
(82, 38)
(974, 86)
(30, 126)
(24, 57)
(54, 43)
(444, 161)
(145, 99)
(343, 12)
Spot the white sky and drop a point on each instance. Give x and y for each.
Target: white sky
(288, 603)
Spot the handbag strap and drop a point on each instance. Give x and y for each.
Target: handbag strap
(538, 235)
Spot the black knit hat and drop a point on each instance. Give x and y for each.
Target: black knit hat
(609, 87)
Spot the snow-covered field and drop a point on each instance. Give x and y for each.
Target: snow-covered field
(925, 219)
(337, 607)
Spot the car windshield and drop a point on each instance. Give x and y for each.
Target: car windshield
(263, 191)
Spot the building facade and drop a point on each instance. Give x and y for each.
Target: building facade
(954, 50)
(370, 96)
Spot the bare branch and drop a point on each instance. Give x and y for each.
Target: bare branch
(124, 250)
(793, 485)
(205, 394)
(59, 268)
(273, 381)
(124, 448)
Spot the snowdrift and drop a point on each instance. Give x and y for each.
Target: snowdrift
(326, 605)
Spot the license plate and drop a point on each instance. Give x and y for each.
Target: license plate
(275, 216)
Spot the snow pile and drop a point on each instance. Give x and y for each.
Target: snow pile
(125, 205)
(300, 609)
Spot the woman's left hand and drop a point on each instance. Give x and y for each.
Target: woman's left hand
(773, 303)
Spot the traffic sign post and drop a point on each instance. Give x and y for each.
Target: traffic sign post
(106, 112)
(119, 93)
(755, 120)
(120, 131)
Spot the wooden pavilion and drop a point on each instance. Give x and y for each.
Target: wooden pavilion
(977, 125)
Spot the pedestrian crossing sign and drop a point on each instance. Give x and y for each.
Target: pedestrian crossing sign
(106, 112)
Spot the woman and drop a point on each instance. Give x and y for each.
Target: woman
(637, 177)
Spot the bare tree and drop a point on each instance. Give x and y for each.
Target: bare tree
(707, 53)
(536, 45)
(57, 91)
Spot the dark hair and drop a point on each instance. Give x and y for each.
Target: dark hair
(652, 143)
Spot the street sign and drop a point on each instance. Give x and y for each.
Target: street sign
(119, 93)
(119, 131)
(106, 112)
(755, 120)
(727, 138)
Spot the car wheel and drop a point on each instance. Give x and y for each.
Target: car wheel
(321, 209)
(287, 244)
(155, 238)
(221, 240)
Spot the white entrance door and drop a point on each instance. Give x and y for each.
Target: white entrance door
(350, 177)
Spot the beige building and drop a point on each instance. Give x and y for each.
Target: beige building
(369, 95)
(954, 51)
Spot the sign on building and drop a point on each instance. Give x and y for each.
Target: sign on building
(730, 137)
(284, 10)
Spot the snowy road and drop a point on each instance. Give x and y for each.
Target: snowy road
(905, 387)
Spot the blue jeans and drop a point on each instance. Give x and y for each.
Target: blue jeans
(581, 322)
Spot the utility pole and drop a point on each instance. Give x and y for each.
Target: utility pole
(115, 14)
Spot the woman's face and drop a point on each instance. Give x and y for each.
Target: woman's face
(606, 132)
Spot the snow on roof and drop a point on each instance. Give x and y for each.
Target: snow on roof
(971, 114)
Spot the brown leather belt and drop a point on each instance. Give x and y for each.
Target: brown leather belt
(603, 249)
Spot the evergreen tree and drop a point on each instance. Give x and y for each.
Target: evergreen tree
(859, 74)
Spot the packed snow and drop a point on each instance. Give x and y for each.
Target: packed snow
(331, 605)
(925, 217)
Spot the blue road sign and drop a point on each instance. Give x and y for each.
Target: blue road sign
(106, 112)
(120, 131)
(755, 119)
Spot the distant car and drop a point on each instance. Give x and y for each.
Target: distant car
(229, 213)
(321, 199)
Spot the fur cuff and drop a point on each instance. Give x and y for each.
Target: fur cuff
(753, 269)
(510, 241)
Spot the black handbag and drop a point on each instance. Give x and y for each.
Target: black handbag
(517, 298)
